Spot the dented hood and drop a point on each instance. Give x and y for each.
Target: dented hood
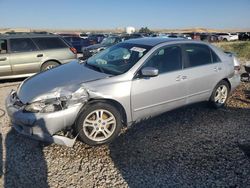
(64, 76)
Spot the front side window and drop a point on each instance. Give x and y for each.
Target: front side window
(119, 58)
(22, 45)
(3, 46)
(197, 55)
(47, 43)
(166, 59)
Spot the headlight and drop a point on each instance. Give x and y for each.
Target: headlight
(59, 103)
(45, 106)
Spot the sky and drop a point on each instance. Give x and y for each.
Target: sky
(111, 14)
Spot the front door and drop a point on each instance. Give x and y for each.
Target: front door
(25, 57)
(154, 95)
(5, 68)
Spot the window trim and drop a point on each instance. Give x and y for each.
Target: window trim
(13, 52)
(137, 72)
(7, 43)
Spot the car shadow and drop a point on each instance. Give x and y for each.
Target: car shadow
(191, 146)
(12, 80)
(25, 164)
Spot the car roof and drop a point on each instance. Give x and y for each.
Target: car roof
(25, 35)
(153, 41)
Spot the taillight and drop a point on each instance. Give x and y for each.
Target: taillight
(236, 63)
(237, 68)
(73, 50)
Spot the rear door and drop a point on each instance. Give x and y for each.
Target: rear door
(155, 95)
(202, 69)
(54, 48)
(5, 68)
(25, 57)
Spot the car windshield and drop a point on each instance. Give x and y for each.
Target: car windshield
(108, 41)
(119, 58)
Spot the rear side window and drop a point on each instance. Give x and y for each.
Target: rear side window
(215, 57)
(3, 46)
(47, 43)
(22, 45)
(197, 55)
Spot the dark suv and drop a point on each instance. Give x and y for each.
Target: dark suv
(22, 55)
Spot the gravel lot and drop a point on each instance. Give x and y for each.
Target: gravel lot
(193, 146)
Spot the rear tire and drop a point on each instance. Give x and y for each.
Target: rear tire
(49, 65)
(98, 123)
(220, 95)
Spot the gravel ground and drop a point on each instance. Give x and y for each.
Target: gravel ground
(193, 146)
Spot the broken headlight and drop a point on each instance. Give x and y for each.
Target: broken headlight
(45, 106)
(58, 103)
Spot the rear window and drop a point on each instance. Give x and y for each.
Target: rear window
(47, 43)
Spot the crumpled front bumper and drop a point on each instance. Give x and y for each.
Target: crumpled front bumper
(42, 126)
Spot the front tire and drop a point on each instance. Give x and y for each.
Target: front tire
(98, 123)
(220, 95)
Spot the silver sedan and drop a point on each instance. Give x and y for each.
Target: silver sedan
(126, 83)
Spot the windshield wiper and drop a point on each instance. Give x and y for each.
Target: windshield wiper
(99, 69)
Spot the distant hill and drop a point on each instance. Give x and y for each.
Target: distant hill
(120, 30)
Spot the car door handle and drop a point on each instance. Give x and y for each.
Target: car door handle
(217, 69)
(3, 59)
(180, 78)
(184, 77)
(39, 55)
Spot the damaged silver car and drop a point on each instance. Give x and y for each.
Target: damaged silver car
(126, 83)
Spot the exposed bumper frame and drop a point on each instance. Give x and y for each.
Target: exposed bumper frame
(43, 126)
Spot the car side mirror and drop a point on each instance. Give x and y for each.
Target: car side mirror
(149, 72)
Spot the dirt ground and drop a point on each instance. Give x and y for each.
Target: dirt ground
(195, 146)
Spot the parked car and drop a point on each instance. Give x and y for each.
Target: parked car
(194, 35)
(228, 36)
(22, 55)
(209, 37)
(95, 48)
(84, 35)
(178, 35)
(244, 36)
(124, 84)
(77, 42)
(96, 38)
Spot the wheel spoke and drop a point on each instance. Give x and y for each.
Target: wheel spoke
(216, 98)
(93, 132)
(110, 120)
(104, 134)
(88, 123)
(99, 114)
(223, 90)
(106, 130)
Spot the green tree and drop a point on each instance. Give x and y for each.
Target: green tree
(145, 30)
